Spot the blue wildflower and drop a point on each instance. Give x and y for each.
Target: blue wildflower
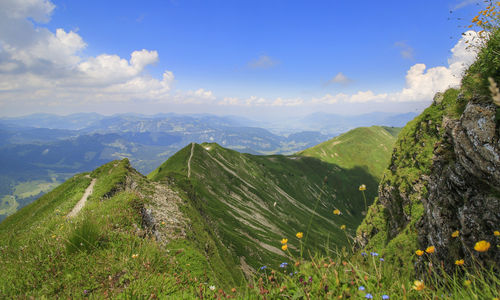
(283, 265)
(381, 259)
(385, 297)
(291, 273)
(363, 253)
(361, 288)
(263, 267)
(374, 253)
(368, 296)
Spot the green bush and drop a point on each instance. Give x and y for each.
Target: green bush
(475, 82)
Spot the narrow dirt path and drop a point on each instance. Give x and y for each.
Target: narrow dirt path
(189, 161)
(82, 201)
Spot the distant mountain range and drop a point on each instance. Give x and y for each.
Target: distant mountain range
(39, 151)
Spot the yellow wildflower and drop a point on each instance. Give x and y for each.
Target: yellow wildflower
(430, 249)
(459, 262)
(299, 235)
(482, 246)
(467, 282)
(362, 187)
(284, 247)
(418, 285)
(284, 241)
(336, 212)
(135, 255)
(419, 252)
(496, 233)
(455, 234)
(342, 227)
(163, 223)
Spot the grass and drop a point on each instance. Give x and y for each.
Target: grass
(236, 193)
(367, 147)
(365, 275)
(99, 253)
(84, 237)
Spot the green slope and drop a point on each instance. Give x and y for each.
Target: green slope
(109, 248)
(172, 234)
(236, 193)
(367, 147)
(391, 228)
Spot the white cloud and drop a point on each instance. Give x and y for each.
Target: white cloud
(421, 82)
(331, 99)
(340, 78)
(39, 67)
(367, 97)
(263, 62)
(107, 68)
(202, 94)
(39, 11)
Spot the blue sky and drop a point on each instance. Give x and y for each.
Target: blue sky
(251, 58)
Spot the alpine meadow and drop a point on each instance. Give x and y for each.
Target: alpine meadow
(284, 160)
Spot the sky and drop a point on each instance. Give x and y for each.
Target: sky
(258, 59)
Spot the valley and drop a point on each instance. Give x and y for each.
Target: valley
(37, 158)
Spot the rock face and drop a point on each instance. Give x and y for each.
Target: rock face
(444, 177)
(464, 189)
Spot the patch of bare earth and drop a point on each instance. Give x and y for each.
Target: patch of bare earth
(82, 201)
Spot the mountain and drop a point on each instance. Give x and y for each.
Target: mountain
(208, 214)
(131, 233)
(51, 121)
(255, 201)
(442, 188)
(367, 147)
(34, 160)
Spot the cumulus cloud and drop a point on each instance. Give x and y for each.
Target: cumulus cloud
(42, 66)
(263, 62)
(421, 82)
(202, 94)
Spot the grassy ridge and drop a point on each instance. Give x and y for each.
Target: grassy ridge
(237, 194)
(105, 250)
(367, 147)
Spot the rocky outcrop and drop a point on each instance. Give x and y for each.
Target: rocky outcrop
(464, 189)
(444, 177)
